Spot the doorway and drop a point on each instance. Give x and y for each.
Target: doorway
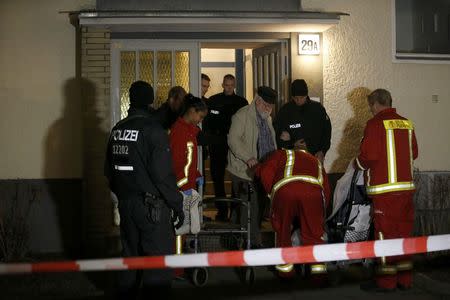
(253, 63)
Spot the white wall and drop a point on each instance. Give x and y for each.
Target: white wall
(216, 73)
(357, 59)
(39, 129)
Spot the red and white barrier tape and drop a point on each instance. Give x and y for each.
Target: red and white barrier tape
(260, 257)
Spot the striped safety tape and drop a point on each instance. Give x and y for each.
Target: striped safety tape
(260, 257)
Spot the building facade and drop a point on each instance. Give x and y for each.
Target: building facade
(67, 66)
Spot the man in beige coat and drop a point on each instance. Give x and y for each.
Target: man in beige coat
(250, 139)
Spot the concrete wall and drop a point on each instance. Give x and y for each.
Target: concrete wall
(40, 115)
(357, 58)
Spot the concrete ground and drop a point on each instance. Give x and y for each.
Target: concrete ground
(432, 281)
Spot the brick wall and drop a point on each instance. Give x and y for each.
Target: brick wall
(99, 231)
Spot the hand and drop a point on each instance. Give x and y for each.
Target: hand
(285, 136)
(188, 192)
(200, 181)
(178, 219)
(252, 162)
(319, 155)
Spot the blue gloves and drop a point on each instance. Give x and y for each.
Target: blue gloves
(200, 181)
(188, 192)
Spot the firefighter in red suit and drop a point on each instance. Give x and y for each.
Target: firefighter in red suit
(298, 187)
(183, 145)
(387, 152)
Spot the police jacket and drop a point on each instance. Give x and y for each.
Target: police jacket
(220, 110)
(309, 121)
(388, 149)
(183, 144)
(138, 159)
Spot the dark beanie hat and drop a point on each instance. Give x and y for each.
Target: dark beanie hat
(268, 94)
(299, 88)
(141, 94)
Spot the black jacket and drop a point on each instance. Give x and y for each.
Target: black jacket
(220, 110)
(166, 116)
(309, 121)
(138, 160)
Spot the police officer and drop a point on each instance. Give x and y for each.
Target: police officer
(217, 123)
(303, 118)
(139, 170)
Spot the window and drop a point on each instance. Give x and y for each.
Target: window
(422, 30)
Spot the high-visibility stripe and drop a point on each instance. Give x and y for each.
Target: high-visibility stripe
(190, 150)
(397, 124)
(123, 168)
(285, 268)
(410, 132)
(319, 176)
(178, 245)
(392, 162)
(386, 270)
(382, 258)
(390, 187)
(182, 182)
(304, 178)
(290, 159)
(393, 185)
(404, 266)
(318, 269)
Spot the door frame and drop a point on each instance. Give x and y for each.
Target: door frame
(118, 45)
(283, 69)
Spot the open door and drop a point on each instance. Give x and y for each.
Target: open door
(271, 68)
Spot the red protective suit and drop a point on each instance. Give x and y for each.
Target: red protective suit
(387, 152)
(183, 144)
(295, 180)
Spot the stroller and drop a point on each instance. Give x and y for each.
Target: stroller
(350, 220)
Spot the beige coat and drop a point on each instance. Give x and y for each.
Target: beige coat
(243, 139)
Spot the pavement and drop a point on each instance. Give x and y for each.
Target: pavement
(432, 281)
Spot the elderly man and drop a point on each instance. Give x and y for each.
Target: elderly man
(251, 139)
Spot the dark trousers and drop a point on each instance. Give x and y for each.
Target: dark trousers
(141, 237)
(218, 153)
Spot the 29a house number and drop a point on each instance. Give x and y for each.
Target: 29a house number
(309, 44)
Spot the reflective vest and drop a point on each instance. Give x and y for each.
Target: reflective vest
(290, 175)
(392, 169)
